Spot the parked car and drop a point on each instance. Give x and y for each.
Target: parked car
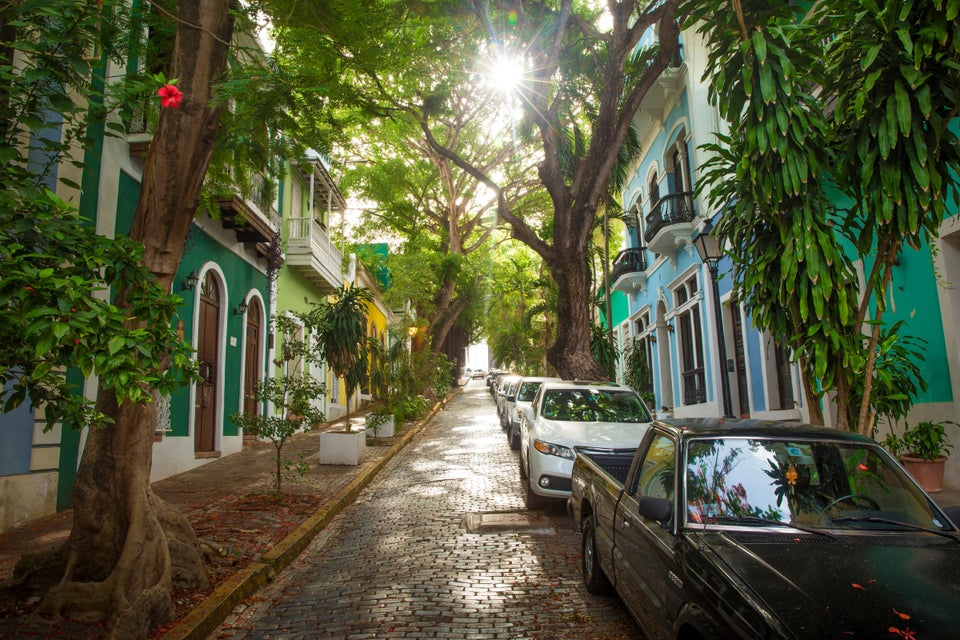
(565, 415)
(505, 388)
(526, 391)
(493, 379)
(751, 529)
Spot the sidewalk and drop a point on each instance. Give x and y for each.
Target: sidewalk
(246, 534)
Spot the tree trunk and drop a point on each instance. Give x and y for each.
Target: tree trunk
(570, 353)
(128, 548)
(445, 317)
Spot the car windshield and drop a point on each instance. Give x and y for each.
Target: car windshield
(594, 405)
(833, 485)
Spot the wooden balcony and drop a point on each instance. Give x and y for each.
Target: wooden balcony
(311, 253)
(254, 219)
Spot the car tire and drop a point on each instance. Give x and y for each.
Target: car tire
(594, 579)
(514, 439)
(532, 500)
(523, 470)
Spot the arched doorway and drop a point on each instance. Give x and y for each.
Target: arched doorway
(208, 347)
(252, 350)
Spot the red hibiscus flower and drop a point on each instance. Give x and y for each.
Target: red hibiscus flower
(170, 96)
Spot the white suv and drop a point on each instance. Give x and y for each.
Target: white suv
(566, 415)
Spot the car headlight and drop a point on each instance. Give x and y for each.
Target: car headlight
(550, 449)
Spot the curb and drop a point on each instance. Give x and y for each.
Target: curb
(207, 616)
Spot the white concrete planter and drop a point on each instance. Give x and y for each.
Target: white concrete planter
(337, 447)
(385, 429)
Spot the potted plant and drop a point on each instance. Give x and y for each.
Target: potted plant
(380, 423)
(339, 324)
(923, 451)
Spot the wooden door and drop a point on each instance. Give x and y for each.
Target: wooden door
(208, 341)
(251, 365)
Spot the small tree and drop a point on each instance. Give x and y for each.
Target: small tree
(291, 393)
(340, 326)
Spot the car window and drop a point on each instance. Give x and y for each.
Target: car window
(657, 471)
(594, 405)
(527, 391)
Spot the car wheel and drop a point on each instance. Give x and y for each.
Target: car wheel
(514, 439)
(532, 500)
(593, 577)
(523, 469)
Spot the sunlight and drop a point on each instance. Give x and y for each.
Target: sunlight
(505, 74)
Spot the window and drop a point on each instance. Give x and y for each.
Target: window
(784, 379)
(690, 341)
(656, 477)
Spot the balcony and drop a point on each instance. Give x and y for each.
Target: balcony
(667, 88)
(670, 224)
(311, 254)
(629, 270)
(662, 95)
(254, 219)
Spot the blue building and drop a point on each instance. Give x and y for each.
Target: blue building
(673, 314)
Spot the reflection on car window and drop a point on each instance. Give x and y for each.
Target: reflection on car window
(804, 483)
(586, 405)
(527, 391)
(656, 476)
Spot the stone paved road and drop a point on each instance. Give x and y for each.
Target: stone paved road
(439, 546)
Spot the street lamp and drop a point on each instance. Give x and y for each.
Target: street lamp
(708, 246)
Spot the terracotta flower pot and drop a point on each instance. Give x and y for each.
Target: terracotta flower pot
(927, 473)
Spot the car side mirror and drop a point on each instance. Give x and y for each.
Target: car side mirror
(659, 509)
(528, 414)
(511, 398)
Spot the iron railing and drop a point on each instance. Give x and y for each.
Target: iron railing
(671, 209)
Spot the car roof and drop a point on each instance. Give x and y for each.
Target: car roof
(720, 427)
(539, 379)
(584, 384)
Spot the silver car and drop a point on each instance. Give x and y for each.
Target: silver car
(526, 391)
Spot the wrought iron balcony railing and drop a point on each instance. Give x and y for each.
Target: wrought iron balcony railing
(628, 261)
(671, 209)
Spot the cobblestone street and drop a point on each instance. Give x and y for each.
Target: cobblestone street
(439, 546)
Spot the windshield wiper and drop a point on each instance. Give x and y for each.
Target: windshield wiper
(773, 523)
(952, 535)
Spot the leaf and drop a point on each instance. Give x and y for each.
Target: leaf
(904, 112)
(115, 344)
(869, 56)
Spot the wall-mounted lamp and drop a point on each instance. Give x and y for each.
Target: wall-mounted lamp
(241, 309)
(670, 327)
(411, 331)
(190, 281)
(652, 338)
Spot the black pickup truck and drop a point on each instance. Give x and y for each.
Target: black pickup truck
(750, 529)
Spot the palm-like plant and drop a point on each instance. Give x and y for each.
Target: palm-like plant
(340, 326)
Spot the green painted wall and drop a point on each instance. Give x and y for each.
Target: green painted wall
(240, 277)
